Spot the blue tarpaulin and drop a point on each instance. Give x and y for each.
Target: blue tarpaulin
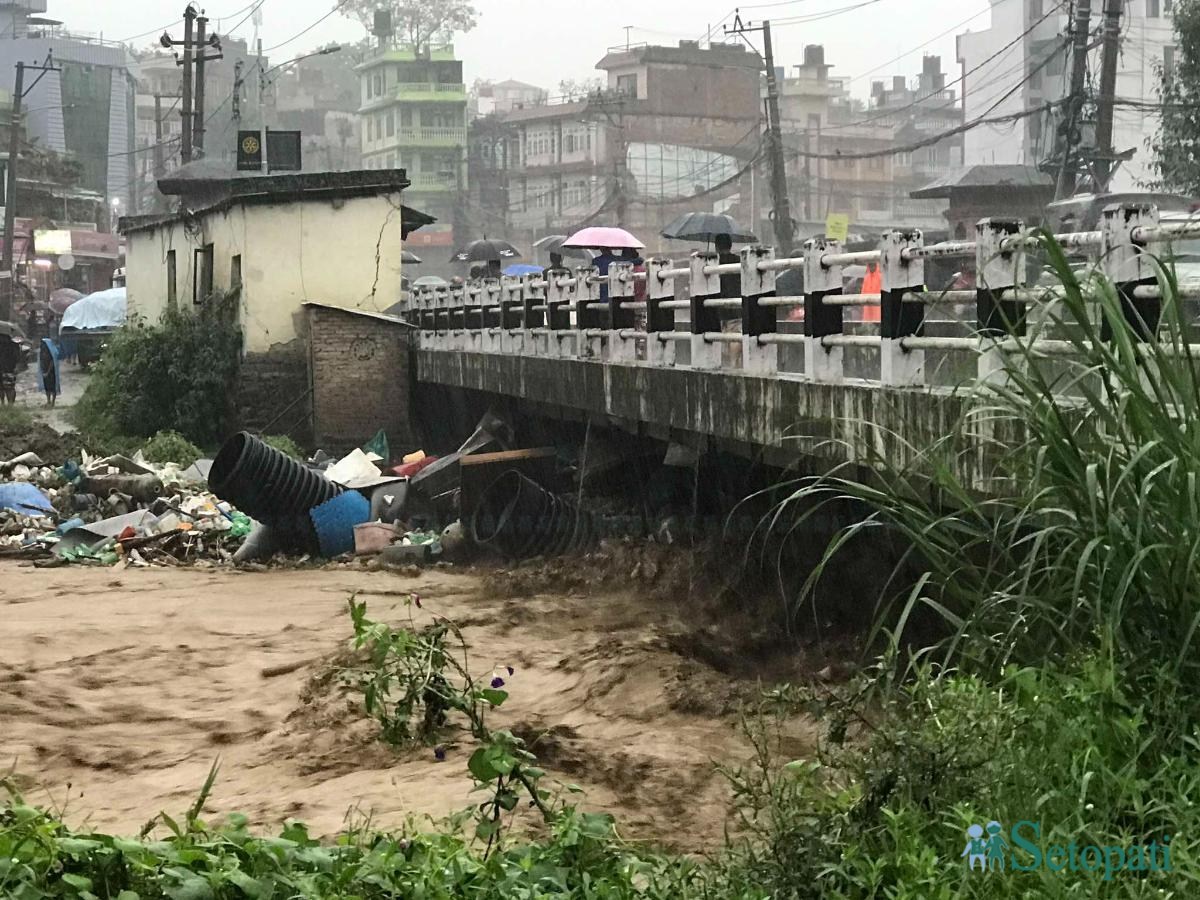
(25, 498)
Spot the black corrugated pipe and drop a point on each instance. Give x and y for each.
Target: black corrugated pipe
(270, 487)
(520, 519)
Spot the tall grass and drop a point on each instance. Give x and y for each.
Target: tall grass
(1086, 536)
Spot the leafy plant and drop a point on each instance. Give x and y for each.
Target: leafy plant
(171, 447)
(284, 444)
(176, 375)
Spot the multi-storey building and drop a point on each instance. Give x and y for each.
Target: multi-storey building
(674, 130)
(412, 113)
(1022, 62)
(86, 109)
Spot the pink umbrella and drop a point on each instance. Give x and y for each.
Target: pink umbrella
(601, 237)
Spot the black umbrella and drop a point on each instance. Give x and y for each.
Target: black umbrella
(706, 227)
(486, 251)
(408, 258)
(553, 243)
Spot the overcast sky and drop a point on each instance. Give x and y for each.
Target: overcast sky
(545, 41)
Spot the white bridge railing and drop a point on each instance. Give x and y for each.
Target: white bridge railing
(560, 314)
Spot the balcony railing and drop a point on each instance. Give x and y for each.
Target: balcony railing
(433, 134)
(430, 181)
(428, 87)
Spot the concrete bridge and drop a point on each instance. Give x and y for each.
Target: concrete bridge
(645, 360)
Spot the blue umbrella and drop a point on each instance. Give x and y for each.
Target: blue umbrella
(523, 269)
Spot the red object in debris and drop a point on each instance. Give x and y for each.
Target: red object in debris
(127, 533)
(408, 470)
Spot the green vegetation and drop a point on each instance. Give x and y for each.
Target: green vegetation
(284, 444)
(172, 376)
(1177, 145)
(171, 446)
(1059, 690)
(15, 419)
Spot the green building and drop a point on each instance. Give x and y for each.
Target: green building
(414, 116)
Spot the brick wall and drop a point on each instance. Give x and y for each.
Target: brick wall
(272, 393)
(361, 380)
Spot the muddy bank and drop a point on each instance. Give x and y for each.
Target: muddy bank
(117, 692)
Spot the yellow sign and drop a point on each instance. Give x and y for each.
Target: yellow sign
(250, 145)
(837, 227)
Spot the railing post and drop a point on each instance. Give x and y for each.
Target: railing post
(897, 319)
(455, 304)
(620, 290)
(705, 354)
(434, 321)
(473, 294)
(1128, 265)
(558, 318)
(658, 289)
(756, 320)
(587, 290)
(821, 281)
(532, 295)
(1000, 270)
(511, 307)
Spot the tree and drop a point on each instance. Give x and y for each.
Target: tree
(418, 23)
(1177, 144)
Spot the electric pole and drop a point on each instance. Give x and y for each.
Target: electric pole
(1069, 139)
(195, 46)
(203, 42)
(236, 100)
(1105, 160)
(159, 165)
(10, 193)
(189, 24)
(781, 215)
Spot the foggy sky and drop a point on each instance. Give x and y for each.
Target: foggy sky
(522, 39)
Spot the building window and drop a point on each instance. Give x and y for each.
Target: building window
(235, 273)
(378, 83)
(1168, 63)
(202, 285)
(627, 85)
(391, 123)
(1035, 10)
(172, 296)
(1153, 9)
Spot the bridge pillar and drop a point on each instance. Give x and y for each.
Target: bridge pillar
(434, 320)
(620, 290)
(1128, 265)
(658, 289)
(533, 295)
(490, 306)
(756, 319)
(457, 314)
(821, 281)
(705, 354)
(587, 317)
(898, 319)
(512, 305)
(1000, 270)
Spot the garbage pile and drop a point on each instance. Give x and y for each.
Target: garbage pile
(253, 503)
(116, 510)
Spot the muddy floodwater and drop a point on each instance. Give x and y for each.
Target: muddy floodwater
(119, 689)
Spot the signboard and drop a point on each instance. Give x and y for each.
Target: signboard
(283, 151)
(249, 152)
(837, 227)
(52, 243)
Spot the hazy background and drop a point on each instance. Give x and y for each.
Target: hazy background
(545, 41)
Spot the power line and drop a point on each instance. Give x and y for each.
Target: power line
(301, 34)
(175, 22)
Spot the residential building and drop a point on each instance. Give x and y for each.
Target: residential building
(233, 234)
(413, 113)
(674, 131)
(505, 96)
(1022, 61)
(843, 155)
(86, 109)
(318, 96)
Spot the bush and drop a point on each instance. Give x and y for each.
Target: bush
(285, 444)
(176, 375)
(171, 447)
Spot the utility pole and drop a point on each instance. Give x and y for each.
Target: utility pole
(236, 100)
(1105, 153)
(189, 24)
(1069, 139)
(782, 213)
(10, 193)
(203, 42)
(262, 110)
(159, 165)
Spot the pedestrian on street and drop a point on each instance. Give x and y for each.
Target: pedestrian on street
(48, 373)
